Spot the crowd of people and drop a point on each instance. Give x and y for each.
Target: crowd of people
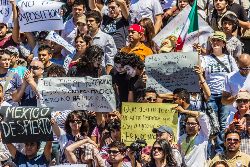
(114, 37)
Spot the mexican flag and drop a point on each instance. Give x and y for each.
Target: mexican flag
(190, 26)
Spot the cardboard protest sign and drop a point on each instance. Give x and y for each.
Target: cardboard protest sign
(42, 15)
(5, 11)
(168, 71)
(53, 36)
(25, 124)
(138, 120)
(175, 26)
(78, 93)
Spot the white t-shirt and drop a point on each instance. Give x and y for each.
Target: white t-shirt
(215, 73)
(144, 9)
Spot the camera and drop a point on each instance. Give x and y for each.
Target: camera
(138, 145)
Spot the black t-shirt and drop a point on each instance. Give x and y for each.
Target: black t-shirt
(239, 11)
(117, 28)
(122, 82)
(45, 73)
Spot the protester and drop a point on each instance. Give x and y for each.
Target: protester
(237, 120)
(45, 55)
(193, 144)
(81, 24)
(232, 154)
(220, 164)
(166, 133)
(136, 45)
(245, 136)
(30, 157)
(162, 155)
(116, 22)
(105, 41)
(76, 128)
(217, 65)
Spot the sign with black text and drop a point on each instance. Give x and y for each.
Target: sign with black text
(25, 124)
(5, 11)
(168, 71)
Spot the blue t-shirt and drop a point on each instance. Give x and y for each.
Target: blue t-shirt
(22, 161)
(20, 70)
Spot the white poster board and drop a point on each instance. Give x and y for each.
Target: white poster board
(168, 71)
(5, 11)
(40, 15)
(77, 93)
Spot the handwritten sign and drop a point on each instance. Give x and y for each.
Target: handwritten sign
(5, 11)
(139, 119)
(42, 15)
(175, 26)
(168, 71)
(79, 93)
(25, 124)
(53, 36)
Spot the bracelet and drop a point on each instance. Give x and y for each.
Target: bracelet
(203, 82)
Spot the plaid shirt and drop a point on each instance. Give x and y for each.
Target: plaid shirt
(245, 143)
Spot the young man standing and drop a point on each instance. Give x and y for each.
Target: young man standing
(136, 46)
(105, 41)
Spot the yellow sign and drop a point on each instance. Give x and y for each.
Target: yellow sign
(138, 120)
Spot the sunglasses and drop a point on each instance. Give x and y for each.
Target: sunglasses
(34, 67)
(232, 140)
(242, 101)
(114, 152)
(191, 124)
(76, 121)
(244, 68)
(150, 99)
(157, 148)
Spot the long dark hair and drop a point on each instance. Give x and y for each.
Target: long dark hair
(81, 116)
(167, 151)
(85, 67)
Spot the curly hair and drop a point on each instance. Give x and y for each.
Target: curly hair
(81, 116)
(134, 61)
(56, 71)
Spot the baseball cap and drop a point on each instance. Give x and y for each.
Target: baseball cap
(219, 35)
(243, 95)
(163, 129)
(136, 27)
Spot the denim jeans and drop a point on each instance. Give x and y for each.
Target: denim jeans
(222, 113)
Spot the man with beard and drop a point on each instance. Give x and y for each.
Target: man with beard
(9, 40)
(233, 156)
(105, 41)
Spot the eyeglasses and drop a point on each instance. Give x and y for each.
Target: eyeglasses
(34, 67)
(191, 124)
(150, 99)
(157, 148)
(244, 68)
(114, 152)
(242, 101)
(75, 121)
(232, 140)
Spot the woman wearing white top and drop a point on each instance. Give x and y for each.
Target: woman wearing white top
(216, 67)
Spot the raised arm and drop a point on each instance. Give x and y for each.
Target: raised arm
(124, 8)
(15, 31)
(93, 6)
(12, 149)
(48, 150)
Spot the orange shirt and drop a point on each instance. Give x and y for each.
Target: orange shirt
(142, 51)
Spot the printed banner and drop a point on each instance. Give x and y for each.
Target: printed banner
(5, 11)
(42, 15)
(175, 26)
(139, 119)
(25, 124)
(168, 71)
(78, 93)
(53, 36)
